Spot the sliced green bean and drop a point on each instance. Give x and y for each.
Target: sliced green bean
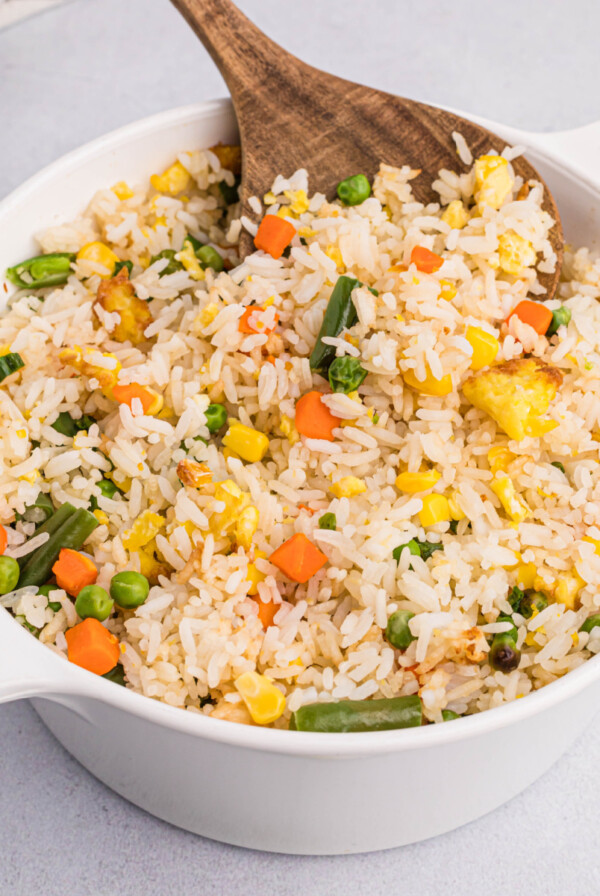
(340, 314)
(173, 265)
(38, 512)
(359, 715)
(42, 270)
(448, 715)
(73, 533)
(69, 426)
(52, 524)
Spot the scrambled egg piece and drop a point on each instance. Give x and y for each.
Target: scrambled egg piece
(229, 156)
(286, 425)
(172, 181)
(81, 360)
(348, 487)
(146, 527)
(514, 505)
(516, 394)
(239, 519)
(118, 294)
(190, 472)
(564, 590)
(493, 182)
(455, 215)
(515, 253)
(298, 201)
(187, 257)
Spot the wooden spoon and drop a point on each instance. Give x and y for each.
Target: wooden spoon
(292, 116)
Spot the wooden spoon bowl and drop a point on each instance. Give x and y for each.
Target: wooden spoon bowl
(291, 115)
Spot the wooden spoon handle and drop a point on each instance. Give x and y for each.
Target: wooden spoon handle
(245, 56)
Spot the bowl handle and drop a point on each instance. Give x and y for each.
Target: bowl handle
(580, 148)
(29, 669)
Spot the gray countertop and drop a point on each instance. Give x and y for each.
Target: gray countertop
(82, 69)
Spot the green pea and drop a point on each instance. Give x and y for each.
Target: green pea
(93, 601)
(129, 589)
(328, 521)
(9, 574)
(346, 374)
(590, 623)
(107, 488)
(398, 631)
(210, 258)
(354, 190)
(216, 417)
(449, 715)
(560, 317)
(504, 655)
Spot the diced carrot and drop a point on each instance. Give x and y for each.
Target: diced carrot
(426, 261)
(3, 539)
(271, 359)
(266, 611)
(535, 314)
(298, 558)
(274, 235)
(74, 571)
(304, 507)
(245, 327)
(92, 646)
(313, 417)
(151, 400)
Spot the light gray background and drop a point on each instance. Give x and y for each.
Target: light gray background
(88, 67)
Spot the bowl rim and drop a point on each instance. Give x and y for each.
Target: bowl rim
(78, 684)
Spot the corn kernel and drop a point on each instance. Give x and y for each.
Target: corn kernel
(430, 385)
(485, 347)
(348, 487)
(593, 541)
(456, 511)
(102, 257)
(493, 182)
(250, 444)
(435, 510)
(145, 528)
(264, 700)
(515, 253)
(122, 190)
(254, 575)
(447, 291)
(411, 483)
(455, 215)
(101, 516)
(246, 526)
(22, 433)
(516, 508)
(172, 181)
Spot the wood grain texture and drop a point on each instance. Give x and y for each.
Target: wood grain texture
(292, 116)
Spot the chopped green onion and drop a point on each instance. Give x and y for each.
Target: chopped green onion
(558, 465)
(123, 264)
(9, 364)
(173, 265)
(346, 374)
(328, 521)
(560, 317)
(68, 426)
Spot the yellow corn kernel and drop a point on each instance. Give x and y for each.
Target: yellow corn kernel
(335, 254)
(348, 487)
(455, 215)
(250, 444)
(269, 198)
(173, 180)
(264, 700)
(499, 458)
(412, 483)
(254, 575)
(122, 190)
(146, 527)
(515, 253)
(493, 182)
(435, 510)
(430, 385)
(22, 433)
(593, 541)
(187, 258)
(286, 425)
(516, 508)
(101, 517)
(103, 257)
(246, 526)
(298, 200)
(526, 575)
(447, 291)
(456, 511)
(227, 453)
(485, 347)
(575, 639)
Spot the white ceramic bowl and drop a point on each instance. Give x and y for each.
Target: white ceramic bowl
(278, 790)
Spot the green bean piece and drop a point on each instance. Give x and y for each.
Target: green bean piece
(93, 602)
(359, 715)
(328, 521)
(560, 317)
(129, 589)
(229, 193)
(73, 533)
(123, 264)
(340, 314)
(559, 466)
(116, 675)
(52, 524)
(69, 426)
(397, 630)
(9, 364)
(107, 489)
(9, 574)
(532, 600)
(216, 417)
(413, 547)
(346, 374)
(448, 715)
(210, 258)
(173, 265)
(515, 596)
(354, 190)
(504, 655)
(38, 512)
(591, 622)
(41, 271)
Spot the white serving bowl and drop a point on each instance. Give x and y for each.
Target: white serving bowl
(287, 791)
